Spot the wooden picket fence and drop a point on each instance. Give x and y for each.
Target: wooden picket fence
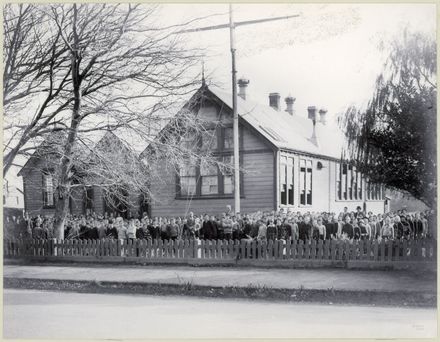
(168, 250)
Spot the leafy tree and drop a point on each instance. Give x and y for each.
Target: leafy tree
(393, 140)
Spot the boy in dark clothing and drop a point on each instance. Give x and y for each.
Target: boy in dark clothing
(247, 227)
(254, 230)
(173, 229)
(112, 232)
(140, 233)
(93, 233)
(205, 231)
(213, 227)
(347, 228)
(271, 230)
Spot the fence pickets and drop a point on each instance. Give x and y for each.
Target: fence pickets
(332, 250)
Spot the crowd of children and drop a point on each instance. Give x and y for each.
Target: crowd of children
(287, 225)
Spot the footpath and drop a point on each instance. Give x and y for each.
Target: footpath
(368, 287)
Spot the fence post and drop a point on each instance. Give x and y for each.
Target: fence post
(149, 249)
(307, 247)
(300, 253)
(219, 249)
(397, 248)
(288, 250)
(339, 256)
(390, 250)
(202, 249)
(53, 251)
(356, 249)
(119, 247)
(368, 243)
(325, 249)
(231, 249)
(292, 247)
(320, 253)
(382, 251)
(313, 249)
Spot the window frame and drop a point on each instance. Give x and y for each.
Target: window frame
(89, 200)
(351, 181)
(220, 153)
(307, 162)
(210, 175)
(45, 173)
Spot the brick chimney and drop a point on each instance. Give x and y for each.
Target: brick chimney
(274, 101)
(322, 115)
(312, 116)
(242, 85)
(289, 104)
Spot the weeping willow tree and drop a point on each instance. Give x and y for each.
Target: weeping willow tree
(393, 140)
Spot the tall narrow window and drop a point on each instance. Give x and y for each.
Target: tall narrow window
(290, 177)
(89, 194)
(302, 181)
(48, 190)
(188, 181)
(228, 175)
(309, 182)
(209, 175)
(355, 183)
(228, 141)
(344, 181)
(338, 181)
(368, 185)
(283, 180)
(350, 182)
(360, 186)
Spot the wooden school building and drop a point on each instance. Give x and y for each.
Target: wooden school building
(289, 160)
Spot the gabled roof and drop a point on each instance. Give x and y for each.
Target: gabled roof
(87, 142)
(286, 131)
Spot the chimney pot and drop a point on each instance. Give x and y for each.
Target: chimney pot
(242, 85)
(322, 115)
(289, 104)
(274, 101)
(312, 113)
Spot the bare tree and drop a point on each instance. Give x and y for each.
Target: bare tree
(112, 68)
(115, 65)
(35, 71)
(38, 87)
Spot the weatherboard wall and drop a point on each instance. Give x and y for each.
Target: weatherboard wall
(258, 184)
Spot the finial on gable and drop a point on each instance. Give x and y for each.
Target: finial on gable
(203, 73)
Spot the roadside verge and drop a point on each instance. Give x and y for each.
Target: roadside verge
(251, 292)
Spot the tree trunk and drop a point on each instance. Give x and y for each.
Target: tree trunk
(62, 207)
(61, 212)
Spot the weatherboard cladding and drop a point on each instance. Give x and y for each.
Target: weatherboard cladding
(258, 183)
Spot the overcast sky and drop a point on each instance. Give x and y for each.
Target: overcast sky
(327, 57)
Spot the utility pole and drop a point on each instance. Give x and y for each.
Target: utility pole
(235, 115)
(232, 25)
